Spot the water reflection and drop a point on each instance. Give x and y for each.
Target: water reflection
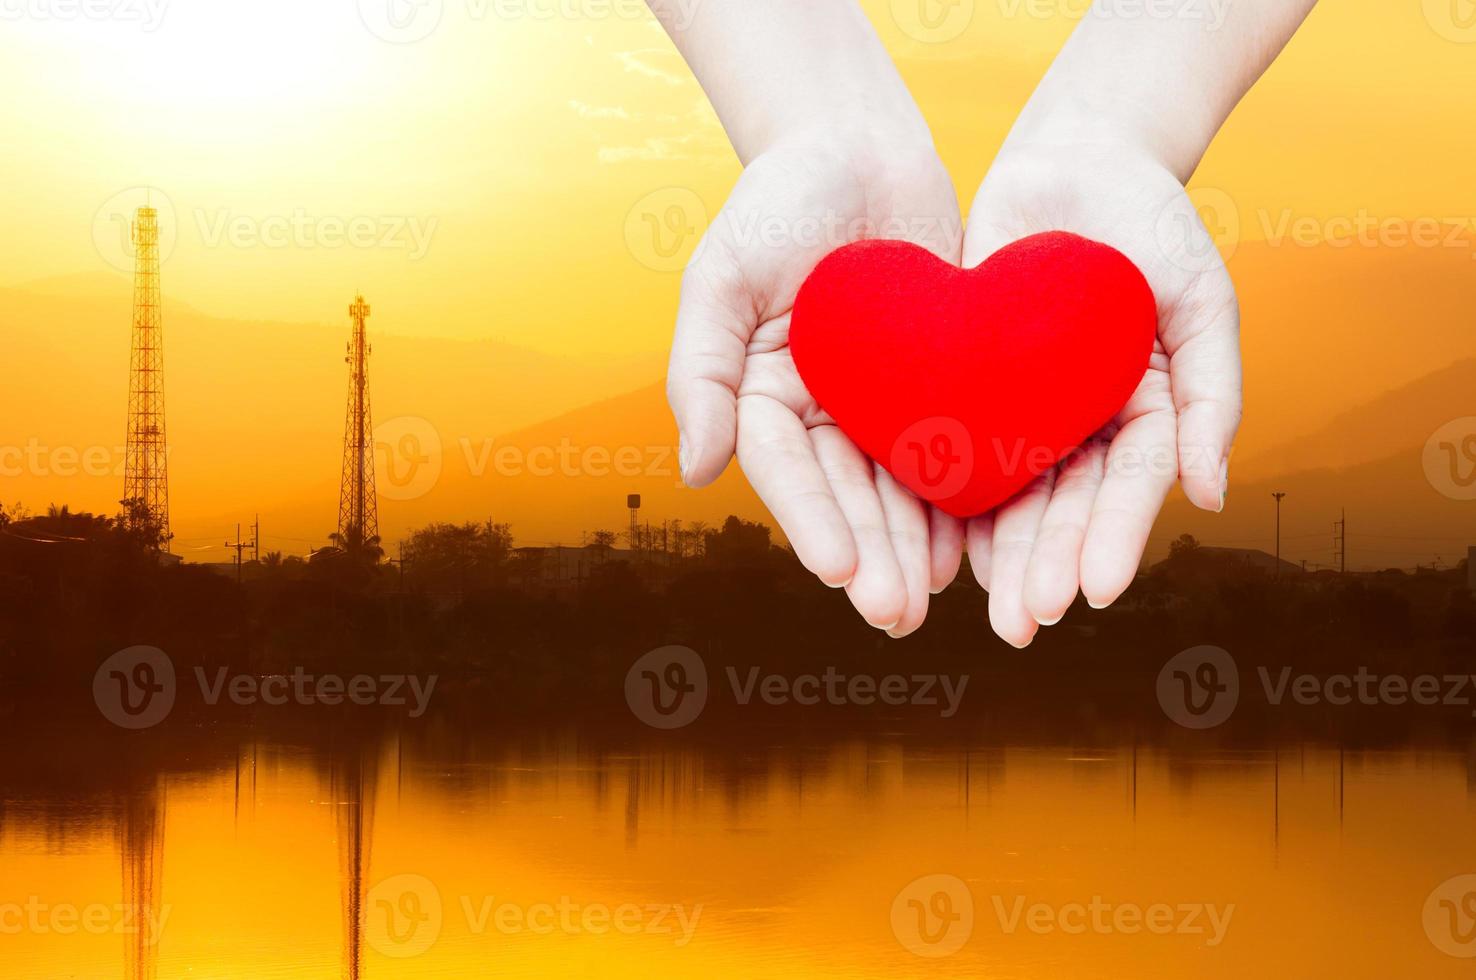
(431, 854)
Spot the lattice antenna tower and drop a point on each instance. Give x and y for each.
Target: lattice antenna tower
(358, 509)
(146, 468)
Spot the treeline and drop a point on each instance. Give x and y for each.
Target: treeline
(510, 633)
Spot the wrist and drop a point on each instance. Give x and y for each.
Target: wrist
(862, 129)
(1112, 120)
(775, 70)
(854, 106)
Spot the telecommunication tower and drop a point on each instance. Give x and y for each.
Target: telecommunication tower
(358, 510)
(146, 465)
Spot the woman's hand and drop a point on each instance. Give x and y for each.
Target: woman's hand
(732, 382)
(1115, 129)
(1087, 522)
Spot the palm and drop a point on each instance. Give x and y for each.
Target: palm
(733, 382)
(1087, 523)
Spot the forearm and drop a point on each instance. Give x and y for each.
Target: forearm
(773, 68)
(1165, 84)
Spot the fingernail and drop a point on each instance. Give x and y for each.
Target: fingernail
(1048, 622)
(1224, 481)
(1094, 605)
(887, 629)
(685, 458)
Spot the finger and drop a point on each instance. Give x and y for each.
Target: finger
(877, 590)
(1015, 528)
(979, 532)
(907, 523)
(946, 544)
(780, 463)
(1206, 377)
(1055, 565)
(1141, 467)
(982, 239)
(714, 322)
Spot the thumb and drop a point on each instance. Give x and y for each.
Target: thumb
(714, 323)
(1206, 378)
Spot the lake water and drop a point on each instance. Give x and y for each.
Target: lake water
(399, 856)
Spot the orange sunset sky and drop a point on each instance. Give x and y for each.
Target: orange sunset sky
(502, 172)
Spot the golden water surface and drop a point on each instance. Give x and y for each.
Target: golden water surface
(868, 858)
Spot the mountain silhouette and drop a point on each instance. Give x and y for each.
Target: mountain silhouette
(1385, 426)
(1341, 389)
(571, 474)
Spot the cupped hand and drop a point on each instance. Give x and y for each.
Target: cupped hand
(1086, 522)
(733, 385)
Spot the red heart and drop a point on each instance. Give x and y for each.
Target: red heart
(966, 384)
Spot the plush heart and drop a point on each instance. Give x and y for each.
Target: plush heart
(966, 384)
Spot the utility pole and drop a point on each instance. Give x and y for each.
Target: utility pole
(400, 617)
(1340, 542)
(256, 540)
(401, 562)
(1280, 496)
(633, 501)
(240, 546)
